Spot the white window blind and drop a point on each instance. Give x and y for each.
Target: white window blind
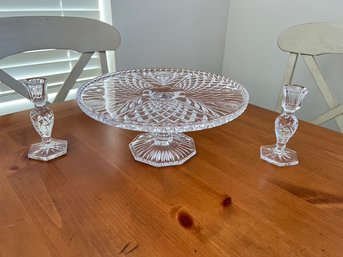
(52, 64)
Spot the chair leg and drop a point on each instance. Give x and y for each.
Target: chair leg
(103, 61)
(323, 87)
(12, 83)
(287, 79)
(328, 115)
(74, 74)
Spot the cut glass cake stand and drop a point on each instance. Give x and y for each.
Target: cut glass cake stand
(163, 103)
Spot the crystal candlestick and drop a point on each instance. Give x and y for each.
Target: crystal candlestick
(285, 126)
(42, 119)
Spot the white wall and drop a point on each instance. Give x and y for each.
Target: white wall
(253, 58)
(164, 33)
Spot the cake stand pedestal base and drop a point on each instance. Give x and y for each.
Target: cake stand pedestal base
(162, 149)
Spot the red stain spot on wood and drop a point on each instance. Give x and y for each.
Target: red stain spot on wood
(185, 220)
(13, 168)
(227, 201)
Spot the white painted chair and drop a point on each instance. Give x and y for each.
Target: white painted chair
(310, 40)
(86, 36)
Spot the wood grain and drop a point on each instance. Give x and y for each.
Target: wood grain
(225, 201)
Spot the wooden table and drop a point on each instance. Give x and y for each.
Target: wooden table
(225, 201)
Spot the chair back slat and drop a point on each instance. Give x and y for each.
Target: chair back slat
(20, 34)
(83, 35)
(73, 75)
(13, 83)
(313, 39)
